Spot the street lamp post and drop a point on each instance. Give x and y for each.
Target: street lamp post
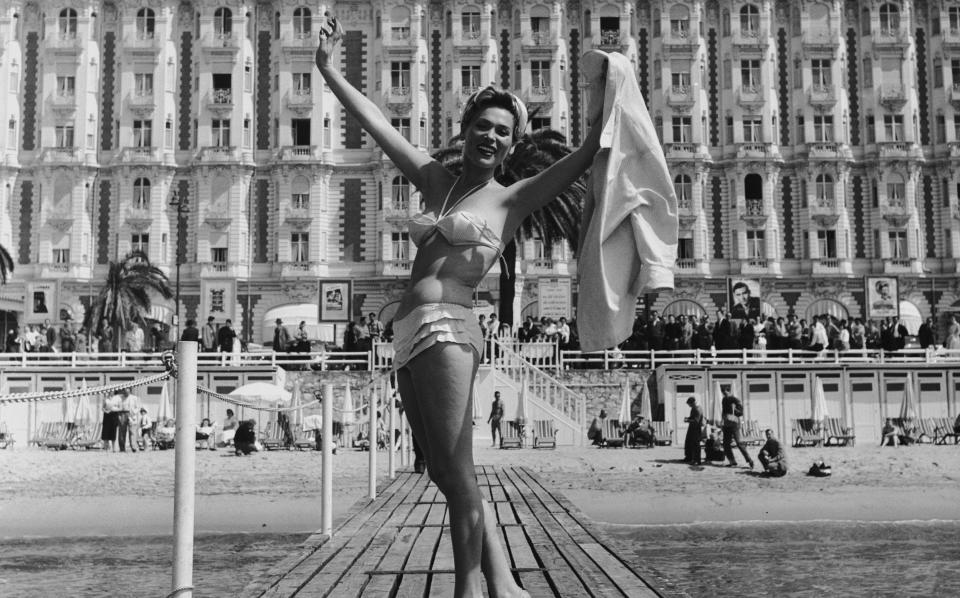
(182, 208)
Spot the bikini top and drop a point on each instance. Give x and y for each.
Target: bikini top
(458, 228)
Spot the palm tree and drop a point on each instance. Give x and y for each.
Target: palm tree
(557, 221)
(6, 265)
(124, 298)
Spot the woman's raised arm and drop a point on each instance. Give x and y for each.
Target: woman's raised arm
(411, 161)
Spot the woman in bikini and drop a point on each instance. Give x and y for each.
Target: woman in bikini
(461, 234)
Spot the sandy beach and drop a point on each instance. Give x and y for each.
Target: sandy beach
(65, 493)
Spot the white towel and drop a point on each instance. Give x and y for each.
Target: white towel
(628, 239)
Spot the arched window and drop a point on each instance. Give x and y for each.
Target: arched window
(68, 23)
(401, 193)
(828, 307)
(825, 190)
(749, 20)
(146, 22)
(141, 194)
(400, 22)
(818, 20)
(302, 23)
(685, 307)
(896, 190)
(679, 21)
(222, 22)
(683, 187)
(300, 193)
(889, 19)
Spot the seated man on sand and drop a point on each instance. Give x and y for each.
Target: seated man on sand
(772, 456)
(245, 439)
(890, 434)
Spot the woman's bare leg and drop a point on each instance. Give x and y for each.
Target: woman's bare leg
(436, 389)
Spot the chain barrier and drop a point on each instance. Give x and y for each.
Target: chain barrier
(26, 397)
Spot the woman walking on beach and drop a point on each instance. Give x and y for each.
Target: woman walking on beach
(467, 221)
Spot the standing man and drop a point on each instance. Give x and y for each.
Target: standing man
(772, 456)
(691, 444)
(496, 414)
(190, 333)
(67, 337)
(732, 409)
(129, 420)
(111, 422)
(226, 336)
(209, 336)
(374, 327)
(281, 337)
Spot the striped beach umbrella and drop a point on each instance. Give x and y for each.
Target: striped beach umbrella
(165, 410)
(715, 410)
(908, 407)
(523, 408)
(820, 412)
(625, 401)
(646, 409)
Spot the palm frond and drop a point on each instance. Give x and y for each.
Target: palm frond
(6, 265)
(125, 297)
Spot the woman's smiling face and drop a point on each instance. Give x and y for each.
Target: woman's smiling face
(489, 137)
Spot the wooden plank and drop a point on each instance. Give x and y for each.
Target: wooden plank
(519, 550)
(412, 585)
(625, 578)
(442, 585)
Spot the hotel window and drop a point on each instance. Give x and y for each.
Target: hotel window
(953, 15)
(327, 134)
(143, 133)
(400, 244)
(685, 246)
(301, 22)
(824, 184)
(820, 69)
(729, 127)
(897, 240)
(220, 132)
(222, 22)
(140, 242)
(470, 24)
(300, 247)
(539, 122)
(68, 23)
(12, 133)
(218, 255)
(540, 75)
(66, 86)
(889, 20)
(955, 72)
(141, 193)
(300, 201)
(750, 75)
(143, 84)
(400, 78)
(937, 73)
(680, 76)
(683, 187)
(956, 127)
(941, 129)
(63, 136)
(400, 23)
(400, 193)
(827, 243)
(168, 134)
(822, 127)
(893, 127)
(870, 129)
(896, 191)
(682, 129)
(752, 130)
(248, 77)
(301, 84)
(749, 21)
(402, 125)
(679, 21)
(14, 82)
(424, 142)
(867, 73)
(146, 23)
(756, 245)
(469, 78)
(61, 256)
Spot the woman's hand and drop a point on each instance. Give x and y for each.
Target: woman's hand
(330, 34)
(597, 86)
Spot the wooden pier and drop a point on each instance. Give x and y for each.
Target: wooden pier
(399, 546)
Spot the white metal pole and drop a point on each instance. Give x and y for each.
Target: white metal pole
(326, 462)
(403, 440)
(391, 444)
(372, 444)
(184, 469)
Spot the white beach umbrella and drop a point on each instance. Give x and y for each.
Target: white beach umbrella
(523, 408)
(908, 407)
(261, 392)
(82, 414)
(646, 409)
(67, 407)
(625, 401)
(477, 407)
(165, 410)
(715, 409)
(347, 415)
(820, 412)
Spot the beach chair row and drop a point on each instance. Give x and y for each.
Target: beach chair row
(832, 432)
(614, 434)
(543, 432)
(932, 430)
(6, 438)
(64, 435)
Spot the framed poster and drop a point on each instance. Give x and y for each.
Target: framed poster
(335, 300)
(42, 302)
(554, 297)
(743, 297)
(218, 299)
(882, 296)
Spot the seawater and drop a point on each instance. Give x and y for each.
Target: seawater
(872, 559)
(821, 558)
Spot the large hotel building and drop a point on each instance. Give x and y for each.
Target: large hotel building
(812, 145)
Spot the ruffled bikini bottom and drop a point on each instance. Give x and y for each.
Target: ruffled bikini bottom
(433, 323)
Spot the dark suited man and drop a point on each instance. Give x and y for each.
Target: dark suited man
(732, 409)
(744, 305)
(190, 333)
(724, 336)
(225, 337)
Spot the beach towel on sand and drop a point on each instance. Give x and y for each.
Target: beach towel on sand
(629, 231)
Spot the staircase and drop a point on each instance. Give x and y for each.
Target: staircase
(547, 397)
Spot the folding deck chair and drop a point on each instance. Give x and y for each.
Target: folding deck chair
(544, 434)
(838, 434)
(663, 433)
(510, 435)
(805, 433)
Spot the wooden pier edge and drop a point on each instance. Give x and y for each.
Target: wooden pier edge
(399, 545)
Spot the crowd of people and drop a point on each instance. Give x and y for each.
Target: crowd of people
(70, 337)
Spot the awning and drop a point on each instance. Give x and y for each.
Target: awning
(9, 303)
(161, 313)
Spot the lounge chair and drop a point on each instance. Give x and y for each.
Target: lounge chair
(663, 433)
(751, 434)
(612, 433)
(42, 433)
(304, 439)
(544, 434)
(944, 431)
(88, 437)
(806, 433)
(58, 437)
(837, 433)
(510, 436)
(926, 430)
(273, 436)
(6, 438)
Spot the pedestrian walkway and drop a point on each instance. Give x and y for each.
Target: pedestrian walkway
(399, 546)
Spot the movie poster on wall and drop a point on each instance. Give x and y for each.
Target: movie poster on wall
(42, 302)
(743, 297)
(883, 296)
(554, 298)
(335, 301)
(218, 298)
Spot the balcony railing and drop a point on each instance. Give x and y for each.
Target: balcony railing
(221, 96)
(468, 90)
(756, 262)
(402, 91)
(298, 153)
(686, 264)
(610, 37)
(754, 207)
(400, 33)
(541, 38)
